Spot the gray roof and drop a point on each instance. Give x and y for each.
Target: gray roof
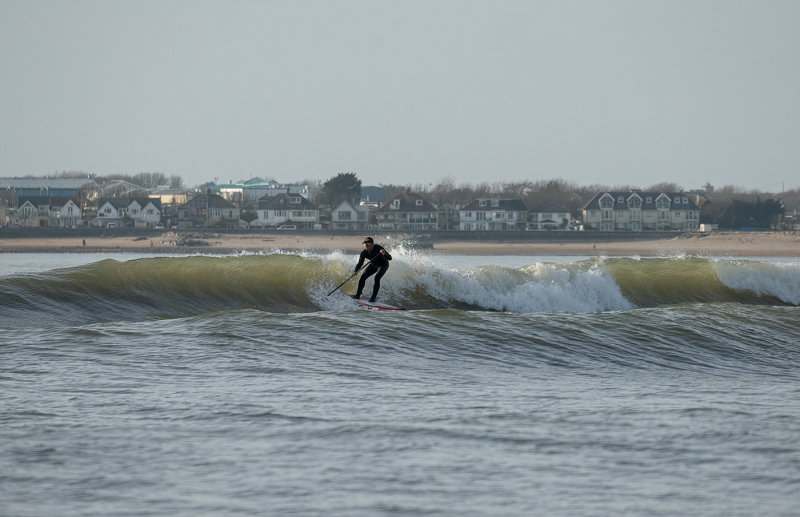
(648, 199)
(508, 205)
(408, 203)
(281, 202)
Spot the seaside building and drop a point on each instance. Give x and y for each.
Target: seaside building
(48, 212)
(551, 216)
(290, 209)
(208, 211)
(493, 214)
(253, 190)
(348, 217)
(408, 212)
(120, 212)
(641, 211)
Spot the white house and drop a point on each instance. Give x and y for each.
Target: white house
(493, 214)
(45, 211)
(34, 212)
(637, 211)
(551, 216)
(349, 217)
(146, 212)
(408, 212)
(143, 212)
(68, 215)
(110, 212)
(286, 209)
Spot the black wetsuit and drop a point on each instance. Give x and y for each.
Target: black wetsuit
(380, 265)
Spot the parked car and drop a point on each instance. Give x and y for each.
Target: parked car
(287, 227)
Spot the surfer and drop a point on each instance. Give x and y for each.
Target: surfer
(378, 263)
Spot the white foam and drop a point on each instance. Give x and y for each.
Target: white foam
(781, 280)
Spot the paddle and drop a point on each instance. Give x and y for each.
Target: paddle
(351, 276)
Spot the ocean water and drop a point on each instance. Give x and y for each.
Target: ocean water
(196, 385)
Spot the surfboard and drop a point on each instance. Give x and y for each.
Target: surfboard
(378, 306)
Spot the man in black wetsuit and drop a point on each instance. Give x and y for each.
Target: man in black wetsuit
(379, 264)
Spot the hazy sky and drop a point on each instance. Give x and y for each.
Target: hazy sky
(597, 91)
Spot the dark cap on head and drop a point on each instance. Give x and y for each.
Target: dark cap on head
(368, 240)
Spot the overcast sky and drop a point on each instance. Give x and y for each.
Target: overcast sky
(611, 92)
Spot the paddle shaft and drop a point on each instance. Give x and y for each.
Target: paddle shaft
(351, 276)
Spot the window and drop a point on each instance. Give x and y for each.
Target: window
(635, 202)
(344, 215)
(482, 202)
(685, 200)
(608, 215)
(620, 200)
(495, 202)
(294, 200)
(662, 202)
(419, 202)
(606, 202)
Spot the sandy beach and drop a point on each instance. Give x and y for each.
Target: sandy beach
(737, 244)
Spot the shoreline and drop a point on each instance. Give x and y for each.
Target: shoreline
(734, 244)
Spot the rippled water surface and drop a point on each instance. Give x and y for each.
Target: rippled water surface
(513, 386)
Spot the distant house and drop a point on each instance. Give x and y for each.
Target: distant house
(117, 212)
(111, 212)
(286, 209)
(208, 211)
(493, 214)
(145, 212)
(638, 211)
(67, 213)
(34, 211)
(254, 189)
(551, 216)
(408, 212)
(348, 217)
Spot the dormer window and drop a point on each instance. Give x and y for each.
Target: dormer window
(495, 202)
(295, 200)
(620, 200)
(396, 204)
(606, 202)
(419, 202)
(482, 202)
(685, 200)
